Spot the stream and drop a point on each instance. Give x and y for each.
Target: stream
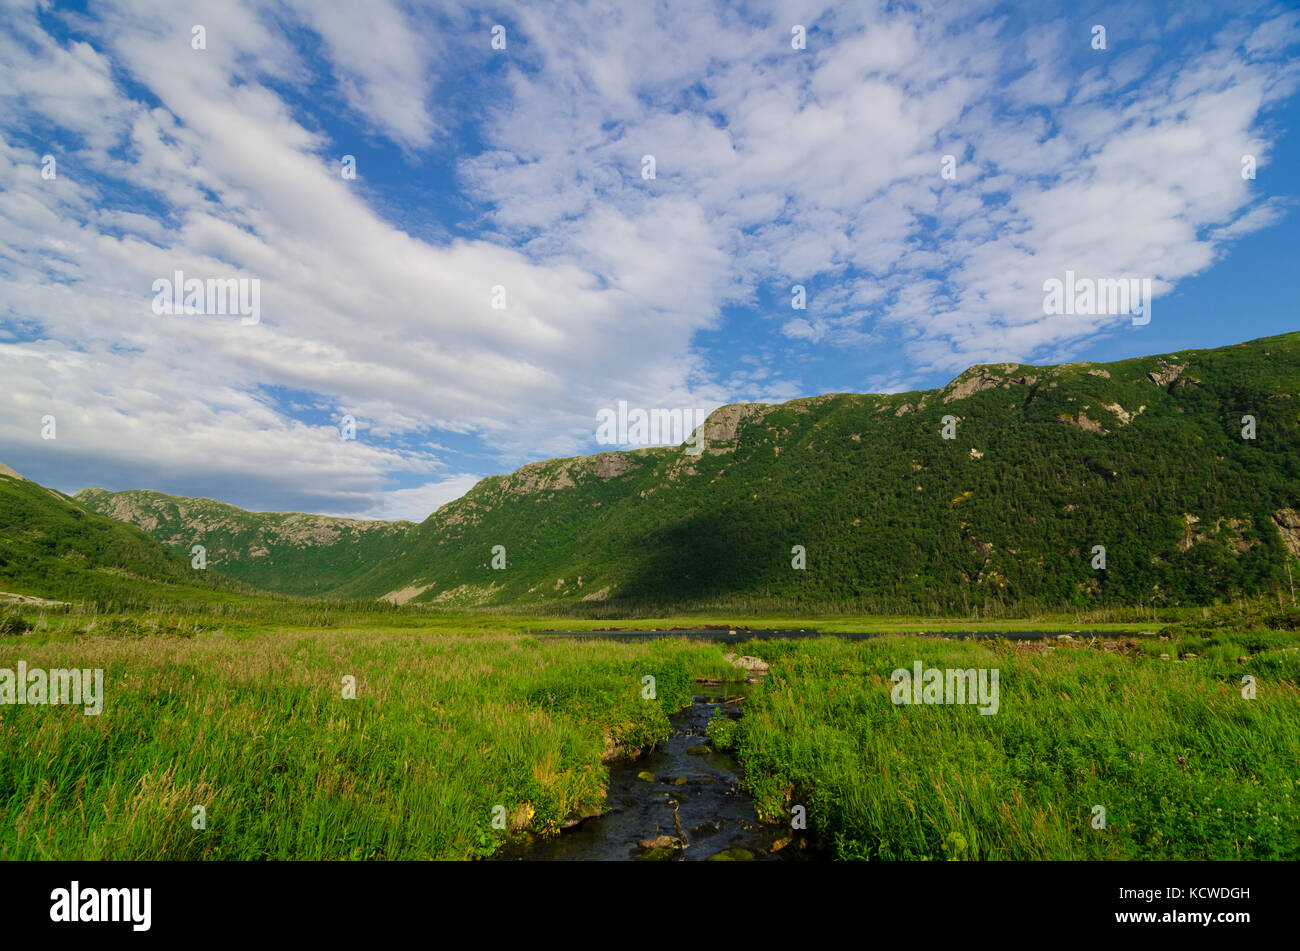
(697, 794)
(684, 791)
(722, 635)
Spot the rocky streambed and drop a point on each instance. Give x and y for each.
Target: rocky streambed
(680, 802)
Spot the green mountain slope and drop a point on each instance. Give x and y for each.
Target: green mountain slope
(51, 546)
(286, 553)
(1144, 457)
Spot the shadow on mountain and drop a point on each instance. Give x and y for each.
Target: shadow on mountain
(702, 556)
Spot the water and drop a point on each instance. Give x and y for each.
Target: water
(692, 796)
(709, 807)
(740, 635)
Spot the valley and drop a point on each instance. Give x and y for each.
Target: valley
(550, 667)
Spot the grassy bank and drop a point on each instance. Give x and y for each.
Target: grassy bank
(253, 726)
(1184, 766)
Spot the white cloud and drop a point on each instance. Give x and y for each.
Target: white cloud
(774, 166)
(417, 503)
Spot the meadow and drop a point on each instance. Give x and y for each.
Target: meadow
(457, 715)
(254, 727)
(1182, 763)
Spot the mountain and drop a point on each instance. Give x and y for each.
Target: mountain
(286, 553)
(1144, 457)
(51, 546)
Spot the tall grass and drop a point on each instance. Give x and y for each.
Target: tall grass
(1183, 765)
(254, 728)
(245, 716)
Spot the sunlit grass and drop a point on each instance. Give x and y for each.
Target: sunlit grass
(1182, 763)
(255, 729)
(456, 714)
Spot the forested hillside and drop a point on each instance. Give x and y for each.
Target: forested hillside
(283, 552)
(51, 546)
(1145, 457)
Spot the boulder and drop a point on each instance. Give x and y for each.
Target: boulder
(754, 665)
(732, 855)
(657, 855)
(662, 842)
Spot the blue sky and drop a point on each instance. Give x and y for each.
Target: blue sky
(522, 169)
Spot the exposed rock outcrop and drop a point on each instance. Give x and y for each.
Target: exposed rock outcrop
(1288, 526)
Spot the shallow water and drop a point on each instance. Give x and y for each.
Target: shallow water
(710, 807)
(740, 635)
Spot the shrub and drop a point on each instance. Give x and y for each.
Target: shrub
(128, 626)
(13, 623)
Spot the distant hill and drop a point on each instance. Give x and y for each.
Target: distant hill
(1144, 457)
(287, 553)
(51, 546)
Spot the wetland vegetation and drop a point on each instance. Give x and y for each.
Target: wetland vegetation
(468, 734)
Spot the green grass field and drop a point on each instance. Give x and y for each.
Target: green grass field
(457, 715)
(1183, 764)
(254, 728)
